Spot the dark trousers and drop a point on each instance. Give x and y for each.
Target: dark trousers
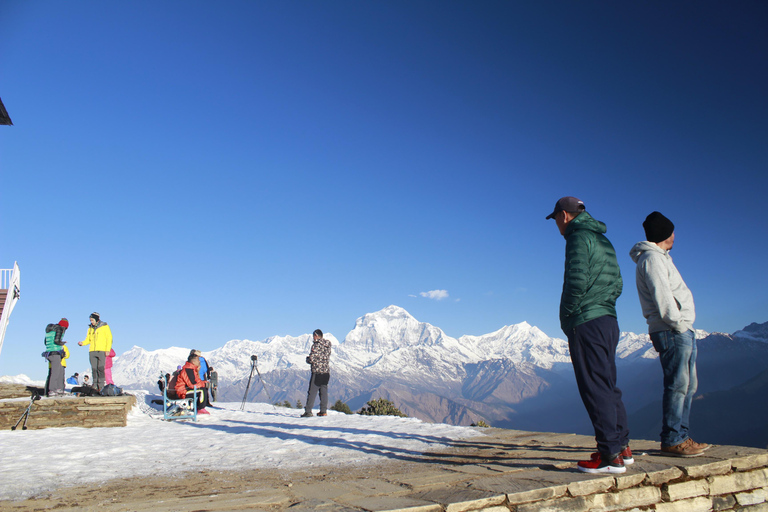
(98, 359)
(55, 381)
(318, 382)
(593, 353)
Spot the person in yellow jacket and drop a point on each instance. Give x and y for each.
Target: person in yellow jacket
(99, 338)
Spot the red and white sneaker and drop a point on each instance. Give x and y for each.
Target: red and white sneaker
(626, 456)
(202, 411)
(599, 465)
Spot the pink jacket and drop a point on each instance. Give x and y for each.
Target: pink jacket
(108, 363)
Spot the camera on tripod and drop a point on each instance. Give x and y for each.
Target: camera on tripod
(254, 368)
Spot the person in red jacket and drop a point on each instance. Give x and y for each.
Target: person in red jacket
(187, 380)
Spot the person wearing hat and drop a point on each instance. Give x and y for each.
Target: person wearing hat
(99, 339)
(54, 351)
(667, 306)
(203, 370)
(592, 283)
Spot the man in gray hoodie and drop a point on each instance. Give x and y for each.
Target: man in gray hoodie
(668, 308)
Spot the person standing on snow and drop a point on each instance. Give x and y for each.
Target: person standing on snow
(668, 308)
(108, 367)
(319, 359)
(99, 338)
(54, 350)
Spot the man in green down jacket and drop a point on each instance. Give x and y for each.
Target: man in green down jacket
(588, 318)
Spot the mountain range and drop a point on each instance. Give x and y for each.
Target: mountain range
(515, 377)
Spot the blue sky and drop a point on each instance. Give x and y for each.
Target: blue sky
(199, 172)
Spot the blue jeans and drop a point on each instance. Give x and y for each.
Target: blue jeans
(677, 354)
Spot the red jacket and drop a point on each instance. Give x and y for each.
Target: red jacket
(188, 379)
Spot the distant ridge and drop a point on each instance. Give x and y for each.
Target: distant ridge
(514, 377)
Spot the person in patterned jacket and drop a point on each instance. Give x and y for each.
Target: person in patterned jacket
(319, 359)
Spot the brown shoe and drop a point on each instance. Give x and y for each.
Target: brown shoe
(322, 414)
(684, 449)
(701, 446)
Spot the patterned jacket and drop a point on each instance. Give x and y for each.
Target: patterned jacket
(319, 356)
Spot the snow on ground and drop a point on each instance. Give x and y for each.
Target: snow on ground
(260, 437)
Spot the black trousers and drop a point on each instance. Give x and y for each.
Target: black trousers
(593, 353)
(318, 382)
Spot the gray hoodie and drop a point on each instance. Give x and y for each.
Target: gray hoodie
(666, 301)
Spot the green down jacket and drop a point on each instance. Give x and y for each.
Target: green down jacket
(592, 276)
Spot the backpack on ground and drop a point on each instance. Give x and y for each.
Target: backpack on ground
(111, 390)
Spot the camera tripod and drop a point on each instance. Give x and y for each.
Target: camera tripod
(248, 386)
(25, 416)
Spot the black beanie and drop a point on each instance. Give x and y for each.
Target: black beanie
(657, 227)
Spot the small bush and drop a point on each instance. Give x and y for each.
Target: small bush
(480, 423)
(381, 407)
(341, 407)
(284, 404)
(298, 404)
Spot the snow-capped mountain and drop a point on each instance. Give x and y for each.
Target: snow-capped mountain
(498, 376)
(754, 332)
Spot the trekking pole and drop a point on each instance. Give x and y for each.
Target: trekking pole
(248, 386)
(25, 415)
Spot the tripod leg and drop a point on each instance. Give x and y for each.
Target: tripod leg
(24, 417)
(264, 384)
(248, 386)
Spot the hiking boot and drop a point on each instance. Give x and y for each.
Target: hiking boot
(702, 446)
(600, 465)
(626, 456)
(684, 449)
(322, 414)
(306, 415)
(202, 411)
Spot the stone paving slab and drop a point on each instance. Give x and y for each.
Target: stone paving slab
(499, 470)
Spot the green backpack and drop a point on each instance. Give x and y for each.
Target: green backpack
(50, 344)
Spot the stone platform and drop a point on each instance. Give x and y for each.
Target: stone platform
(502, 471)
(69, 411)
(536, 472)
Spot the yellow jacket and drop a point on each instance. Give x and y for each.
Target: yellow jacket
(99, 338)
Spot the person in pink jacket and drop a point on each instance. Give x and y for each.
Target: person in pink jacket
(108, 366)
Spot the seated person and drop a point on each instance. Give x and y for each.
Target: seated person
(183, 384)
(162, 383)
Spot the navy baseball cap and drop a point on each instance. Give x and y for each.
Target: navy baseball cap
(569, 204)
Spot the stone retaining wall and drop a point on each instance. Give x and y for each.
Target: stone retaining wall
(70, 411)
(738, 484)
